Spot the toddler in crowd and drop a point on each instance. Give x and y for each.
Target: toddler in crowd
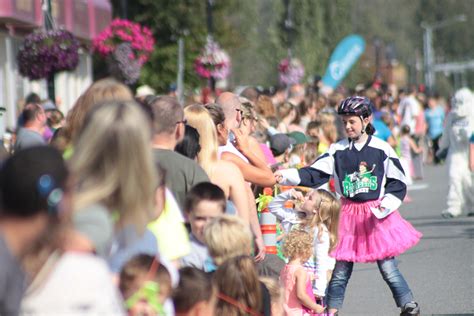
(299, 298)
(145, 285)
(317, 212)
(407, 146)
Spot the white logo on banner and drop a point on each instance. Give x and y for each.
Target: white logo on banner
(339, 68)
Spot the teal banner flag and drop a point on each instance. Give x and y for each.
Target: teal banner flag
(345, 55)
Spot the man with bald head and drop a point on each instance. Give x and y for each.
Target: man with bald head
(230, 104)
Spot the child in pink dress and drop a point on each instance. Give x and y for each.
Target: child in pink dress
(299, 298)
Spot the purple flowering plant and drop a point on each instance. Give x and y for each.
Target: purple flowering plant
(213, 62)
(139, 38)
(290, 71)
(45, 53)
(126, 46)
(121, 66)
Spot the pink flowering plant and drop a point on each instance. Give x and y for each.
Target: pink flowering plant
(290, 71)
(139, 39)
(213, 62)
(45, 53)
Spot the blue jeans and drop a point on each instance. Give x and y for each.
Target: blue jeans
(390, 273)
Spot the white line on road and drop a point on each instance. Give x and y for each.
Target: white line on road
(415, 187)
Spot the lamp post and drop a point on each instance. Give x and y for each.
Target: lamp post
(377, 46)
(124, 7)
(428, 51)
(289, 27)
(49, 25)
(180, 75)
(210, 31)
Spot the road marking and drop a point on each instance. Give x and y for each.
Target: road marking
(415, 187)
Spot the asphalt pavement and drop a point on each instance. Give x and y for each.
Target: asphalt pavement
(439, 269)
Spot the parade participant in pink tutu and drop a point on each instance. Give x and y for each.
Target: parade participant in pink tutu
(371, 181)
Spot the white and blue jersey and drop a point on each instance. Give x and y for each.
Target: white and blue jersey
(362, 172)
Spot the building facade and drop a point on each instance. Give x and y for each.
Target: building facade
(84, 18)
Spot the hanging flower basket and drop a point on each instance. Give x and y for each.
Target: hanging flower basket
(290, 71)
(126, 46)
(45, 53)
(121, 66)
(213, 62)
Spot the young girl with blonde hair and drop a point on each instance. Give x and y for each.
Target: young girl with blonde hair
(222, 173)
(297, 248)
(317, 212)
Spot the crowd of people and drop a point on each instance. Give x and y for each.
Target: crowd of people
(137, 204)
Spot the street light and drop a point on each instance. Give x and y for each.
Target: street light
(428, 46)
(49, 25)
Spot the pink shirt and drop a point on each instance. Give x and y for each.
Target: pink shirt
(292, 305)
(270, 159)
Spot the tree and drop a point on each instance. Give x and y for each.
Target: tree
(253, 33)
(170, 19)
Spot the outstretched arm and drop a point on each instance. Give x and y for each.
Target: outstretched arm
(444, 140)
(251, 173)
(258, 172)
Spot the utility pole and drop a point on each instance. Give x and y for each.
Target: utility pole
(124, 5)
(180, 76)
(429, 58)
(428, 51)
(210, 22)
(210, 31)
(289, 27)
(377, 46)
(49, 25)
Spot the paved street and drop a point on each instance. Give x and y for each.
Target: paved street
(439, 270)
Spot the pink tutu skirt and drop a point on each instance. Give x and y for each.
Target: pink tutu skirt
(365, 238)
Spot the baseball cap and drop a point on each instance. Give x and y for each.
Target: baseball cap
(48, 105)
(280, 142)
(299, 137)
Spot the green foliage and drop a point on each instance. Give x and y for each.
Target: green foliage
(253, 33)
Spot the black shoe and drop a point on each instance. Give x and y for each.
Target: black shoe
(410, 309)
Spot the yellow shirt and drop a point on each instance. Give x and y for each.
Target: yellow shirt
(169, 230)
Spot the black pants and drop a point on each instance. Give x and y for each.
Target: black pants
(435, 142)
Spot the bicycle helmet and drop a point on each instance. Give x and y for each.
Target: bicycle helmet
(360, 106)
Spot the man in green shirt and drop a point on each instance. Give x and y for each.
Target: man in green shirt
(182, 173)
